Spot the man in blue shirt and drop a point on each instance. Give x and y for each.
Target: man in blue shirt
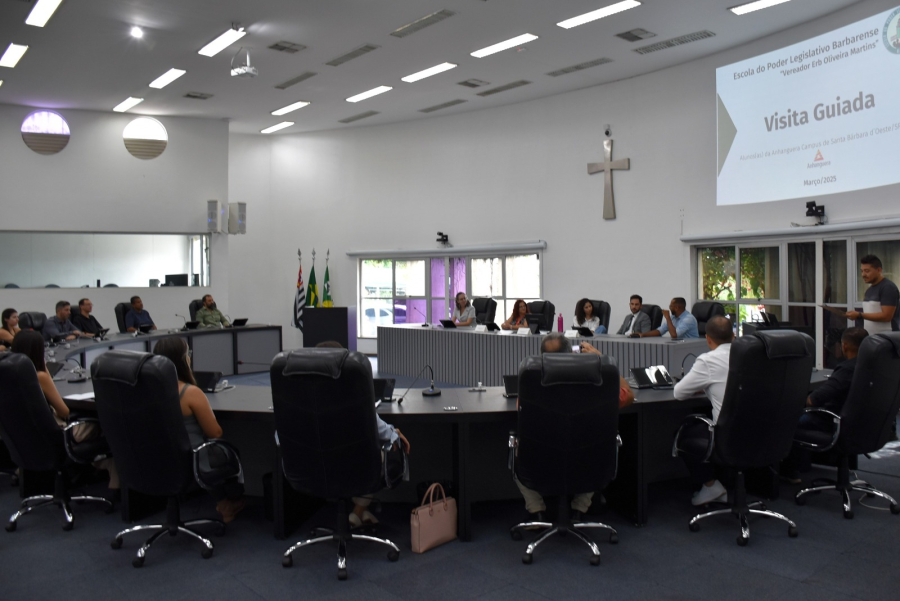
(679, 322)
(137, 317)
(59, 326)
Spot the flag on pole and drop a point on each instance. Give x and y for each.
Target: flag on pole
(326, 295)
(299, 298)
(312, 290)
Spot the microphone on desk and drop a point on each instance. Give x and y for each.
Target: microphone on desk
(682, 363)
(424, 323)
(432, 391)
(184, 319)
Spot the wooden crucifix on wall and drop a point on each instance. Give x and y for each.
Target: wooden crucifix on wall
(607, 166)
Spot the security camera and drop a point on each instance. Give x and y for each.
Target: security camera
(443, 238)
(607, 129)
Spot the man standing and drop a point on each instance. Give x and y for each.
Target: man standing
(679, 322)
(137, 317)
(209, 316)
(709, 375)
(637, 320)
(880, 302)
(59, 325)
(84, 321)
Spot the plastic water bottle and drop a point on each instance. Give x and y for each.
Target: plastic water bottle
(559, 322)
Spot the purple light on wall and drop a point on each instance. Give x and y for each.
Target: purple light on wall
(438, 278)
(415, 310)
(45, 122)
(400, 311)
(439, 311)
(457, 276)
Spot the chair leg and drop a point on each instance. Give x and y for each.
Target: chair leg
(61, 500)
(595, 550)
(529, 550)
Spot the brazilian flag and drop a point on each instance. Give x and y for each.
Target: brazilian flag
(326, 292)
(312, 289)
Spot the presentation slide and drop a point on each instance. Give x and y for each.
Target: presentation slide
(816, 118)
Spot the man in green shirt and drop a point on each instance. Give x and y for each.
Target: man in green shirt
(209, 316)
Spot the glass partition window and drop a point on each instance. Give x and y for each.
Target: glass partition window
(717, 273)
(834, 260)
(409, 296)
(377, 287)
(759, 273)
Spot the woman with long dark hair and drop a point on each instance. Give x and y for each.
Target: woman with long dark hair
(584, 316)
(517, 319)
(10, 327)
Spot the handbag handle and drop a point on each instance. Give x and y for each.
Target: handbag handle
(429, 494)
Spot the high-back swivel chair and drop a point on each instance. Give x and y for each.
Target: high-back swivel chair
(546, 310)
(35, 442)
(137, 401)
(602, 310)
(195, 306)
(703, 311)
(121, 310)
(768, 379)
(32, 320)
(324, 405)
(864, 425)
(567, 438)
(655, 315)
(485, 310)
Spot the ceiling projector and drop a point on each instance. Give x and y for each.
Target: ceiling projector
(244, 69)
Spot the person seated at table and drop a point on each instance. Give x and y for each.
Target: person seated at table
(679, 323)
(9, 328)
(517, 319)
(709, 375)
(31, 344)
(209, 316)
(585, 318)
(60, 326)
(83, 320)
(637, 320)
(137, 317)
(201, 425)
(534, 502)
(464, 312)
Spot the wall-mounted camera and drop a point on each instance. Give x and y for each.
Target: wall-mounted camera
(443, 238)
(817, 211)
(607, 130)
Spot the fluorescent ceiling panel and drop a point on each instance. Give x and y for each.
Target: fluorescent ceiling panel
(750, 7)
(291, 107)
(429, 72)
(42, 12)
(222, 42)
(274, 128)
(12, 55)
(167, 78)
(516, 41)
(127, 104)
(599, 14)
(370, 93)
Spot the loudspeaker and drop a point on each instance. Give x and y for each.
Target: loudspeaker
(216, 219)
(237, 218)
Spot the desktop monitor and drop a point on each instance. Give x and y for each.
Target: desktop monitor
(176, 279)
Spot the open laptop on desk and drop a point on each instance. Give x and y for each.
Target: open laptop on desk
(384, 389)
(238, 323)
(655, 376)
(511, 386)
(448, 323)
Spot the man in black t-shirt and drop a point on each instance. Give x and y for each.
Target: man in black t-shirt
(881, 299)
(83, 319)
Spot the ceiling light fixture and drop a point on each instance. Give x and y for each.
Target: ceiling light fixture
(522, 39)
(127, 104)
(137, 32)
(1, 82)
(275, 128)
(290, 108)
(42, 12)
(429, 72)
(750, 7)
(167, 78)
(370, 93)
(223, 41)
(12, 55)
(599, 14)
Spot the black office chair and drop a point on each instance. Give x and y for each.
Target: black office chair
(602, 310)
(110, 285)
(654, 313)
(51, 286)
(121, 310)
(324, 404)
(485, 310)
(36, 443)
(567, 439)
(137, 401)
(11, 285)
(768, 379)
(32, 320)
(546, 310)
(703, 311)
(864, 425)
(194, 307)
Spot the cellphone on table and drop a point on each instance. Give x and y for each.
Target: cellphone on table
(576, 348)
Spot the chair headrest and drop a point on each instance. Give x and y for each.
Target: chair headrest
(893, 338)
(783, 344)
(315, 361)
(557, 368)
(120, 366)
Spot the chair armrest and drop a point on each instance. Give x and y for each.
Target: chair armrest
(712, 434)
(229, 450)
(81, 420)
(513, 443)
(69, 441)
(834, 436)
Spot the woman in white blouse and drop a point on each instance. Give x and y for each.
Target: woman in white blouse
(584, 316)
(464, 312)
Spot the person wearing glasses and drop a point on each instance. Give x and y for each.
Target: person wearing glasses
(463, 312)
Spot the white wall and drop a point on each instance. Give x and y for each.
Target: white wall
(510, 174)
(94, 184)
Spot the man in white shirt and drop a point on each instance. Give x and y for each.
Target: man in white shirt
(708, 375)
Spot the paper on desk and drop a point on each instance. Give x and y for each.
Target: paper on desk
(84, 396)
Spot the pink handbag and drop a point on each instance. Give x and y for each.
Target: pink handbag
(434, 522)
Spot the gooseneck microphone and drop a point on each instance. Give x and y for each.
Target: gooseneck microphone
(432, 391)
(424, 323)
(184, 328)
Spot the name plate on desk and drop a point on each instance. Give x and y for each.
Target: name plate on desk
(481, 328)
(523, 332)
(571, 333)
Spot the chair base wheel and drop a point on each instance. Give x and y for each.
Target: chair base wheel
(742, 542)
(137, 562)
(515, 534)
(68, 526)
(206, 553)
(393, 555)
(848, 514)
(695, 527)
(595, 560)
(11, 527)
(116, 543)
(342, 574)
(613, 539)
(894, 509)
(527, 558)
(287, 561)
(792, 531)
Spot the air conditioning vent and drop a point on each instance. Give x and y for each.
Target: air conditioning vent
(473, 83)
(685, 39)
(289, 47)
(419, 24)
(198, 95)
(579, 67)
(636, 35)
(352, 54)
(509, 86)
(295, 81)
(438, 107)
(359, 116)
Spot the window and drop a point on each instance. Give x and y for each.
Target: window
(45, 132)
(145, 138)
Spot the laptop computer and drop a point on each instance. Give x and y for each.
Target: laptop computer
(511, 384)
(384, 388)
(492, 327)
(54, 367)
(239, 322)
(448, 323)
(99, 335)
(145, 328)
(191, 325)
(207, 380)
(655, 376)
(584, 332)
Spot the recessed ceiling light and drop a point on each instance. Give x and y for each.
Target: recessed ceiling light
(599, 14)
(1, 82)
(291, 107)
(127, 104)
(222, 42)
(12, 55)
(137, 32)
(522, 39)
(370, 93)
(167, 78)
(281, 125)
(428, 72)
(42, 12)
(750, 7)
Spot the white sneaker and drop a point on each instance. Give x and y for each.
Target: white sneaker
(709, 494)
(368, 518)
(355, 522)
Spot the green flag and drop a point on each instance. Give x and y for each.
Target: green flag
(326, 292)
(312, 290)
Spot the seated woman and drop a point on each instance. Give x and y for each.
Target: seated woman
(585, 318)
(200, 423)
(31, 344)
(464, 312)
(517, 319)
(9, 328)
